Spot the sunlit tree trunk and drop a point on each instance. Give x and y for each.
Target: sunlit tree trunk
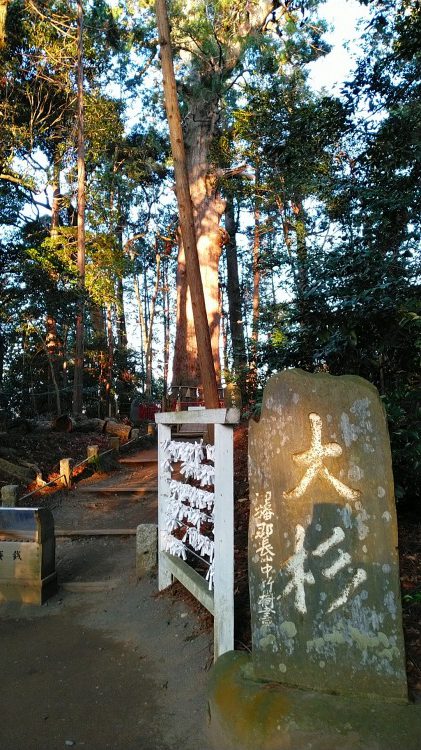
(3, 17)
(189, 197)
(185, 362)
(201, 121)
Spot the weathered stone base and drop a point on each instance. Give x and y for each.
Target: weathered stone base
(246, 714)
(146, 548)
(28, 591)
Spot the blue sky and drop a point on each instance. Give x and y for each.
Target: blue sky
(332, 70)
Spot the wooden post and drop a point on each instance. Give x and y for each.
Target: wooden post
(9, 495)
(224, 541)
(115, 444)
(164, 477)
(92, 453)
(185, 209)
(66, 471)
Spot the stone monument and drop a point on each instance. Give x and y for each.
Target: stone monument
(323, 562)
(327, 668)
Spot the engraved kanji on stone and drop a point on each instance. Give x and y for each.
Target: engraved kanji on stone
(266, 550)
(300, 577)
(313, 458)
(265, 511)
(295, 566)
(264, 530)
(266, 606)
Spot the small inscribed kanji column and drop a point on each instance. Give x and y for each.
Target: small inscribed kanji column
(323, 566)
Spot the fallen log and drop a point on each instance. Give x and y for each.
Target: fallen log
(63, 423)
(66, 423)
(116, 428)
(19, 426)
(89, 425)
(23, 473)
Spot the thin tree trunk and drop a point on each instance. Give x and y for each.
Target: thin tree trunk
(109, 376)
(302, 283)
(52, 340)
(234, 298)
(141, 323)
(51, 348)
(55, 186)
(166, 317)
(148, 355)
(203, 338)
(256, 294)
(2, 353)
(81, 200)
(224, 334)
(121, 317)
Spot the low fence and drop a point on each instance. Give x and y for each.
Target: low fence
(195, 523)
(9, 493)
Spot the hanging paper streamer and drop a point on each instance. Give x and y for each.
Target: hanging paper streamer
(189, 507)
(200, 543)
(210, 575)
(175, 546)
(180, 511)
(196, 497)
(190, 455)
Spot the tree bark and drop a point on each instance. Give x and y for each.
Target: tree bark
(256, 294)
(166, 321)
(110, 362)
(187, 222)
(81, 201)
(53, 345)
(185, 362)
(3, 17)
(121, 317)
(149, 351)
(235, 312)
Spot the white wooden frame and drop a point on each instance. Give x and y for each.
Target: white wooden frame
(220, 601)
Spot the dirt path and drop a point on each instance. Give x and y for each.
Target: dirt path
(113, 667)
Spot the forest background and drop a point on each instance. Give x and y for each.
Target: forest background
(306, 206)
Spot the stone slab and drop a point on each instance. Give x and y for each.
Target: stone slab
(323, 563)
(246, 714)
(146, 548)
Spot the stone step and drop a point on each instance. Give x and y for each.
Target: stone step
(139, 461)
(123, 489)
(94, 532)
